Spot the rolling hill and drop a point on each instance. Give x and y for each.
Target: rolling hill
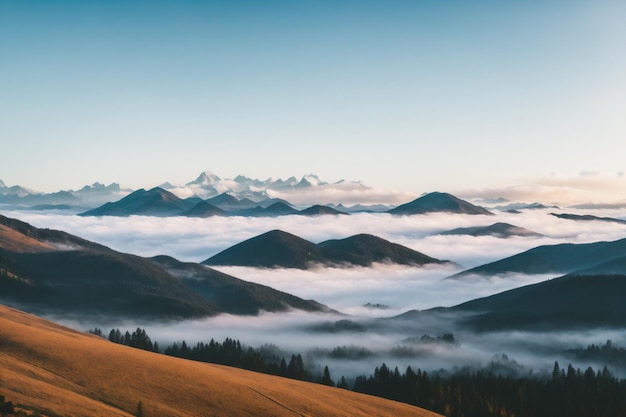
(56, 371)
(51, 271)
(562, 258)
(501, 230)
(438, 202)
(278, 249)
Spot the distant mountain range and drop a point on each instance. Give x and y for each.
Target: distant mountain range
(279, 249)
(160, 202)
(562, 258)
(501, 230)
(205, 186)
(46, 270)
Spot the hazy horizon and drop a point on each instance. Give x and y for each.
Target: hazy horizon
(403, 96)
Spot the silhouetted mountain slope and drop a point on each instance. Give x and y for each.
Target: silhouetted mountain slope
(503, 230)
(587, 217)
(231, 294)
(366, 249)
(204, 209)
(100, 283)
(88, 279)
(154, 202)
(272, 249)
(615, 266)
(562, 258)
(318, 210)
(279, 209)
(56, 238)
(281, 249)
(560, 303)
(438, 202)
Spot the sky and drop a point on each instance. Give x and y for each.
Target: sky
(405, 95)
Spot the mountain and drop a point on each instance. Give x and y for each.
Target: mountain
(278, 249)
(204, 209)
(52, 271)
(55, 371)
(502, 230)
(438, 202)
(616, 266)
(272, 249)
(587, 217)
(154, 202)
(275, 209)
(231, 294)
(366, 249)
(573, 301)
(228, 202)
(318, 210)
(562, 258)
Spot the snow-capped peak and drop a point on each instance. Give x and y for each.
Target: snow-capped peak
(207, 178)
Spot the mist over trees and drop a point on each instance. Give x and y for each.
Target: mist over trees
(493, 391)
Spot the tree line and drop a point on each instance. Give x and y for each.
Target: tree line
(465, 393)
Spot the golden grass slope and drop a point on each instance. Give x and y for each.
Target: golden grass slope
(15, 241)
(56, 370)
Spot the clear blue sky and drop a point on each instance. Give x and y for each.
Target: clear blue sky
(407, 95)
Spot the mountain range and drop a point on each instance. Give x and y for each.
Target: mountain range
(279, 249)
(160, 202)
(205, 186)
(52, 271)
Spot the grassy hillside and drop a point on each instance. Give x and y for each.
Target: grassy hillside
(56, 370)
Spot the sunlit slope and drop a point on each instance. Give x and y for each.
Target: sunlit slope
(51, 368)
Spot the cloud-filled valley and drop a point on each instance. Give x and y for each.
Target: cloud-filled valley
(390, 289)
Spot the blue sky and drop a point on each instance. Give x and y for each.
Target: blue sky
(407, 95)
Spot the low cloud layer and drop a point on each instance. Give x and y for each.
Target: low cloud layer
(397, 288)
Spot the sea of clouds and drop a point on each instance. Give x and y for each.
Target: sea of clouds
(348, 290)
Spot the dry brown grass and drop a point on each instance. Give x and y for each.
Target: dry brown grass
(49, 367)
(15, 241)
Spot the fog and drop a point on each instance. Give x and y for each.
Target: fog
(394, 289)
(192, 239)
(393, 343)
